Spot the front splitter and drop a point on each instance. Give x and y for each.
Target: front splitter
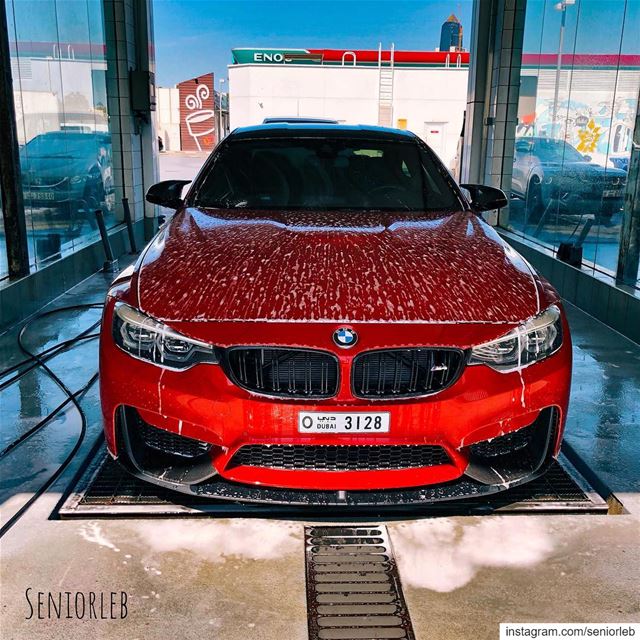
(105, 489)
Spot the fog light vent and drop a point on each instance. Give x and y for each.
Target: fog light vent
(169, 442)
(502, 445)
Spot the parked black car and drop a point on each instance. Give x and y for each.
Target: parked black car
(545, 169)
(68, 172)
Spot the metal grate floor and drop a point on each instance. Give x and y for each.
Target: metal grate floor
(105, 489)
(353, 586)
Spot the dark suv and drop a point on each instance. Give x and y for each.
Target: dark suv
(545, 169)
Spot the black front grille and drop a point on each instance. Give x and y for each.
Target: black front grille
(301, 373)
(169, 442)
(405, 373)
(339, 457)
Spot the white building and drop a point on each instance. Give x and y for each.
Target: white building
(422, 91)
(168, 117)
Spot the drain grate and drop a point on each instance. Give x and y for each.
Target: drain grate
(353, 587)
(105, 489)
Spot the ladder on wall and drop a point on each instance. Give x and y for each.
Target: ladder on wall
(385, 88)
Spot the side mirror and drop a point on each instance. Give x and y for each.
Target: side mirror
(167, 193)
(587, 158)
(485, 198)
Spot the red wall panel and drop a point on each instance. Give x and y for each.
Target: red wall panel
(197, 114)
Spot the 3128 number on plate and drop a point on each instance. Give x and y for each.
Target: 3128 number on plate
(339, 422)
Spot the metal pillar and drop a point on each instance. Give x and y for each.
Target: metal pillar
(629, 257)
(474, 147)
(493, 92)
(145, 60)
(15, 227)
(129, 49)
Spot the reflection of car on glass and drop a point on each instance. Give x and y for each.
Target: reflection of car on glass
(327, 319)
(69, 172)
(546, 170)
(620, 162)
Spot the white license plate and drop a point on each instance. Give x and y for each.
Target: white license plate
(39, 195)
(339, 422)
(612, 193)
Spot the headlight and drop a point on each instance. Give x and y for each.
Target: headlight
(77, 179)
(535, 340)
(147, 339)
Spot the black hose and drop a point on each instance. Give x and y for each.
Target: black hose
(40, 360)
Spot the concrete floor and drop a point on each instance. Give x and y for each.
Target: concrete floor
(244, 578)
(180, 166)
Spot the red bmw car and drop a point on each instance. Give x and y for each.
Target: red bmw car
(327, 319)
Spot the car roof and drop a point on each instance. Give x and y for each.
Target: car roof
(321, 130)
(73, 134)
(298, 120)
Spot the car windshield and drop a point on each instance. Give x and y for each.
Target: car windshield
(557, 151)
(325, 173)
(62, 145)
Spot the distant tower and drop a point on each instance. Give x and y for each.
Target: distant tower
(451, 35)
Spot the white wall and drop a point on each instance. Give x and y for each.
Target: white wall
(436, 97)
(350, 95)
(261, 91)
(69, 100)
(168, 117)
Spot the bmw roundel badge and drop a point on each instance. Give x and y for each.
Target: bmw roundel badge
(345, 338)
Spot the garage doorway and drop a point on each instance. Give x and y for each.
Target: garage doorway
(434, 136)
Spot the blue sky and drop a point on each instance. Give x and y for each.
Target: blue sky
(196, 36)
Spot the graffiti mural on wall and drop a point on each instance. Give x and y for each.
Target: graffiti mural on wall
(602, 130)
(592, 121)
(197, 114)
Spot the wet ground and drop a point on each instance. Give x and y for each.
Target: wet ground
(245, 578)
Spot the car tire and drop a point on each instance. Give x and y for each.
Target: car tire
(534, 205)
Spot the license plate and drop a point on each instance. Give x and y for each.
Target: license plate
(39, 195)
(612, 193)
(339, 422)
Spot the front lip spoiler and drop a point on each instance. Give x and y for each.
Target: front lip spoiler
(220, 489)
(215, 487)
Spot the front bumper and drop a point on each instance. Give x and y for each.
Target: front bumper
(484, 475)
(579, 198)
(57, 194)
(203, 404)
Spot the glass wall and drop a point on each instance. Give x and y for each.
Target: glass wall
(578, 97)
(4, 267)
(59, 76)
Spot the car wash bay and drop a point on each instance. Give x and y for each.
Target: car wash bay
(564, 550)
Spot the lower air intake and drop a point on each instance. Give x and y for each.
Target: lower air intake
(169, 442)
(503, 445)
(339, 457)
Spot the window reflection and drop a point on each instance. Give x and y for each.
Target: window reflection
(59, 75)
(4, 267)
(579, 88)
